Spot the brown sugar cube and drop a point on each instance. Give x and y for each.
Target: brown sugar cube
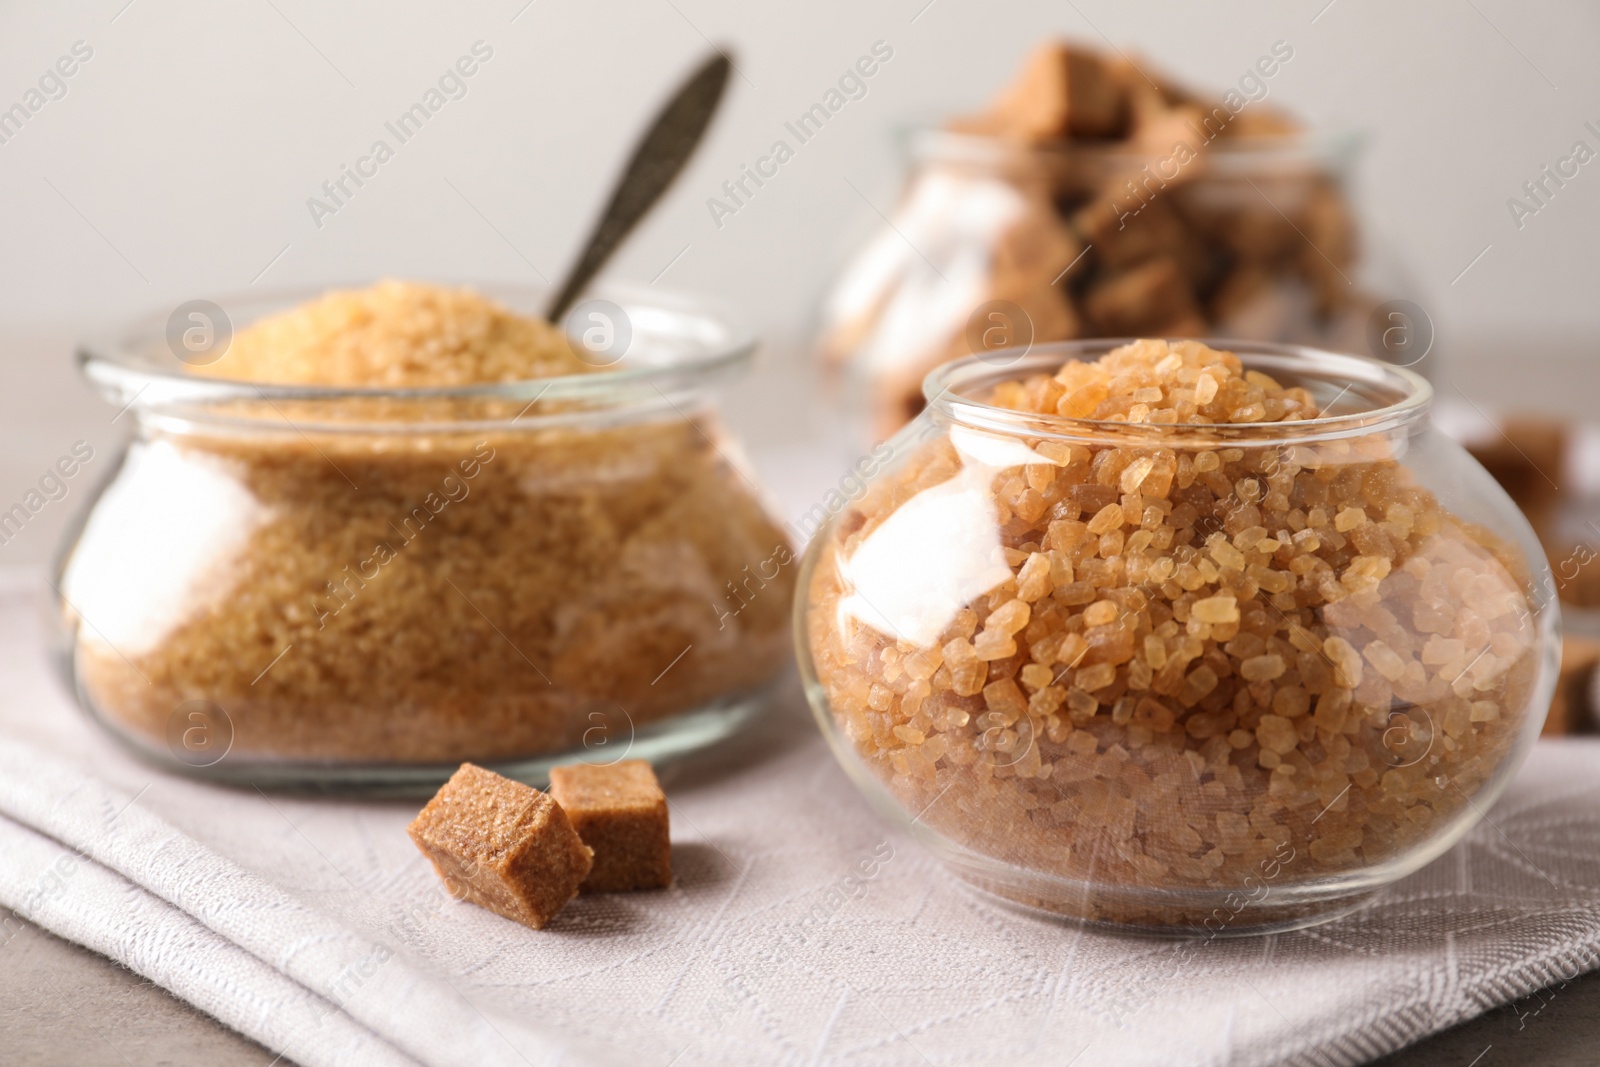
(1061, 92)
(1582, 590)
(895, 396)
(1263, 221)
(1239, 291)
(1252, 302)
(1526, 457)
(1571, 707)
(502, 845)
(1175, 138)
(1126, 231)
(1330, 237)
(1149, 91)
(1036, 241)
(621, 813)
(1153, 297)
(1259, 120)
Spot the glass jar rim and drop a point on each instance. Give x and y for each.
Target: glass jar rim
(1400, 396)
(690, 345)
(1329, 147)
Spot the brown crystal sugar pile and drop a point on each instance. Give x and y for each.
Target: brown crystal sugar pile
(1153, 382)
(1196, 655)
(397, 334)
(572, 584)
(427, 597)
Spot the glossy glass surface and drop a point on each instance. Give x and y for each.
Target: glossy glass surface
(1180, 677)
(367, 587)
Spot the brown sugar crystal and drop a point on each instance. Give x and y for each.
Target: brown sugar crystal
(1062, 91)
(502, 845)
(397, 334)
(621, 813)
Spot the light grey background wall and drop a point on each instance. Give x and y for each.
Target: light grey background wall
(179, 161)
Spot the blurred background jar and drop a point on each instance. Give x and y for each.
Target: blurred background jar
(1094, 200)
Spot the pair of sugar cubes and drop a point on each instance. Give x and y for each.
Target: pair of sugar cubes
(523, 854)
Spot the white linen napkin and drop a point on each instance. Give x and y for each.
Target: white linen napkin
(800, 929)
(170, 947)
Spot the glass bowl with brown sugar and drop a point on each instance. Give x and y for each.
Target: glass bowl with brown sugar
(382, 531)
(1174, 637)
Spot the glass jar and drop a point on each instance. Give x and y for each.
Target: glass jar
(996, 245)
(365, 587)
(1301, 661)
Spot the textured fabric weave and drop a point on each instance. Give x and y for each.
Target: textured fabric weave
(800, 928)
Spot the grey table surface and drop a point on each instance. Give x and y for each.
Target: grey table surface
(61, 1004)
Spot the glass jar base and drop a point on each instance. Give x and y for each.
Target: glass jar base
(659, 744)
(1202, 914)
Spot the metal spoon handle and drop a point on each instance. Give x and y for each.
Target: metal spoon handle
(656, 161)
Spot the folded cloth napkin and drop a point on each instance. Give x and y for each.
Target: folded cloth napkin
(123, 920)
(799, 928)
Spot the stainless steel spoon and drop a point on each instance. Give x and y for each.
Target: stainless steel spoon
(659, 156)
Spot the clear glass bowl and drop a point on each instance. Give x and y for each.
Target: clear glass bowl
(996, 245)
(365, 587)
(1300, 663)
